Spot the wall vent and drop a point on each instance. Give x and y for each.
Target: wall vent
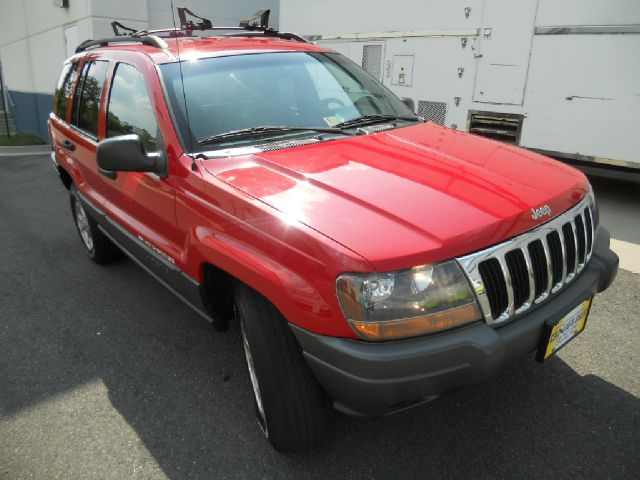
(434, 111)
(372, 60)
(505, 127)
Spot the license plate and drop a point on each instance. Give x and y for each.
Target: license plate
(559, 333)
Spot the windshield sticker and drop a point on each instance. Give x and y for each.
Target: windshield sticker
(332, 120)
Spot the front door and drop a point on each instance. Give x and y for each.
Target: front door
(140, 202)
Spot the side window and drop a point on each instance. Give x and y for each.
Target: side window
(86, 102)
(129, 109)
(63, 89)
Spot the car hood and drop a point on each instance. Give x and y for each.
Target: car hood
(407, 196)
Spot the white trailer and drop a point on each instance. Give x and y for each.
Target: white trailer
(561, 77)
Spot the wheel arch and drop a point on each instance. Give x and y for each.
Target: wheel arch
(65, 178)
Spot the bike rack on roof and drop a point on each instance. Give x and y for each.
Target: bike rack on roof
(255, 26)
(118, 28)
(203, 24)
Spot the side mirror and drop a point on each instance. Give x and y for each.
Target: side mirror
(409, 103)
(126, 153)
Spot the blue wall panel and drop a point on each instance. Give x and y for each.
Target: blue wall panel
(31, 111)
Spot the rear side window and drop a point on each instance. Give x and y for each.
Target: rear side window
(63, 89)
(86, 102)
(129, 109)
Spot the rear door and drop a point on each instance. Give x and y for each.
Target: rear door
(82, 136)
(59, 117)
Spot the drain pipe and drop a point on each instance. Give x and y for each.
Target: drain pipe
(4, 105)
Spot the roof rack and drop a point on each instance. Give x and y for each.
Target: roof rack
(151, 40)
(254, 26)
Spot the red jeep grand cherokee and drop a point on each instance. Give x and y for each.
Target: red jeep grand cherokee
(372, 260)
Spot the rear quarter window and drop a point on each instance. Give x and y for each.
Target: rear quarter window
(63, 89)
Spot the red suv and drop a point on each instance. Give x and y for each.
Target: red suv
(372, 260)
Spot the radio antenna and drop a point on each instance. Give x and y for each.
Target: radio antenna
(194, 165)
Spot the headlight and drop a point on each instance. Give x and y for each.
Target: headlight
(407, 303)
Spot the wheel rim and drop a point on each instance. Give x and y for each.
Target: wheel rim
(254, 383)
(83, 225)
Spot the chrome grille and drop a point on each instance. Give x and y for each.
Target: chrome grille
(511, 277)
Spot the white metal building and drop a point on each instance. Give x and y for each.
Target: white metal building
(558, 76)
(36, 36)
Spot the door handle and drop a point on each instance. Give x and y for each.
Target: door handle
(69, 145)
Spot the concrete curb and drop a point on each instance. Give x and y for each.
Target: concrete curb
(629, 254)
(25, 151)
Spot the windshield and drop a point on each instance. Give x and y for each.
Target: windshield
(303, 89)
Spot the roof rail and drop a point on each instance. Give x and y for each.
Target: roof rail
(269, 33)
(151, 40)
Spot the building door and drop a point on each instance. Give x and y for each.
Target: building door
(503, 57)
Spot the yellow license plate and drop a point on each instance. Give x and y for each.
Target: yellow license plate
(558, 334)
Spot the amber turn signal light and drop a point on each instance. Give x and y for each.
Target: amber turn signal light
(411, 327)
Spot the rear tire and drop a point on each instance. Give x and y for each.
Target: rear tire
(290, 404)
(99, 248)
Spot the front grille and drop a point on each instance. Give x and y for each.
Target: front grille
(539, 265)
(493, 279)
(519, 274)
(589, 226)
(570, 246)
(555, 253)
(511, 277)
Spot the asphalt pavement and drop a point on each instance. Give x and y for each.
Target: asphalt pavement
(104, 374)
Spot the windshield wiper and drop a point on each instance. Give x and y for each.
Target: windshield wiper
(258, 131)
(366, 119)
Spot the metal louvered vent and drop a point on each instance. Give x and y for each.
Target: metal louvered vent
(269, 147)
(511, 277)
(499, 126)
(372, 60)
(434, 111)
(377, 128)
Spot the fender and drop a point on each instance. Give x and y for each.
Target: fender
(290, 264)
(296, 297)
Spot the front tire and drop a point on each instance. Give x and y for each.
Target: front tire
(99, 248)
(290, 404)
